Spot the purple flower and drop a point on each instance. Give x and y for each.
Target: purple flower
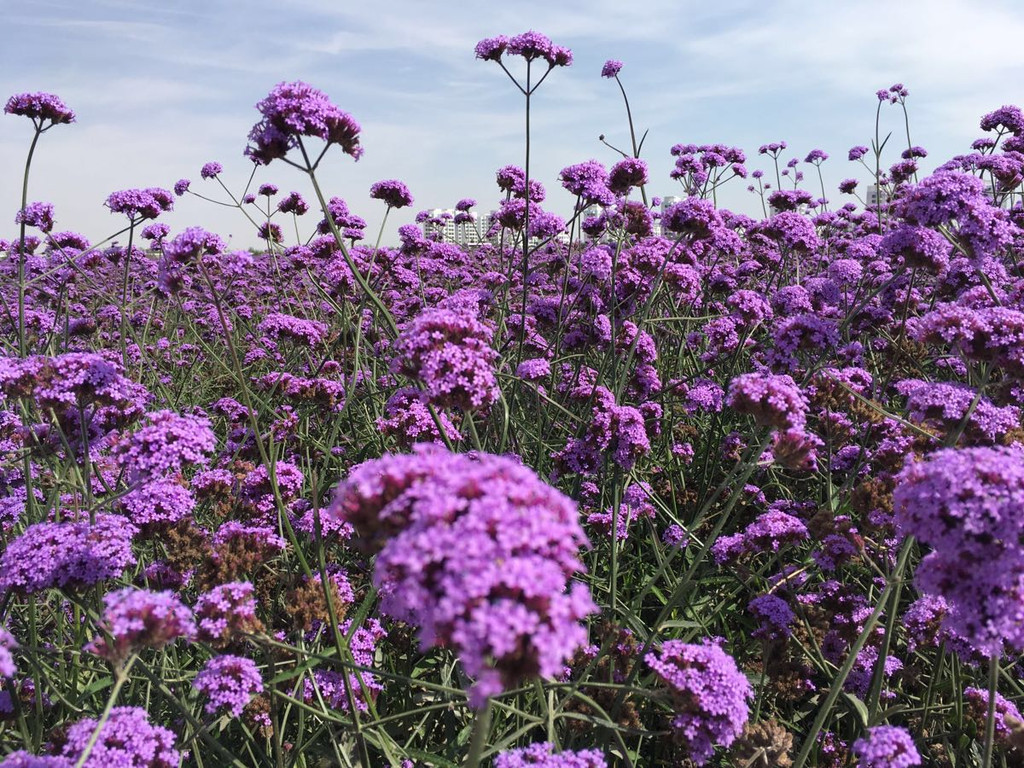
(158, 502)
(229, 683)
(856, 153)
(773, 400)
(293, 110)
(533, 45)
(226, 612)
(333, 686)
(307, 333)
(268, 190)
(542, 755)
(965, 504)
(211, 170)
(774, 615)
(694, 217)
(40, 108)
(709, 693)
(165, 445)
(67, 555)
(478, 552)
(977, 710)
(408, 419)
(293, 203)
(626, 174)
(611, 68)
(465, 204)
(886, 746)
(945, 406)
(449, 351)
(393, 192)
(127, 738)
(22, 759)
(589, 182)
(141, 203)
(847, 186)
(491, 48)
(7, 644)
(816, 157)
(181, 186)
(1009, 118)
(137, 618)
(38, 215)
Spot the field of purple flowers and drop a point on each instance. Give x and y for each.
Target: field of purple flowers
(651, 486)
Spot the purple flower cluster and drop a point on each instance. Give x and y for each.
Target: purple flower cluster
(945, 406)
(307, 333)
(229, 683)
(165, 445)
(408, 419)
(393, 192)
(333, 686)
(293, 110)
(478, 552)
(67, 555)
(139, 204)
(964, 503)
(69, 381)
(1005, 710)
(543, 755)
(773, 400)
(709, 693)
(530, 45)
(127, 738)
(7, 644)
(886, 746)
(226, 612)
(41, 108)
(38, 215)
(449, 351)
(134, 619)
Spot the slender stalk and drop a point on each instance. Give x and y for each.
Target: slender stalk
(22, 342)
(120, 678)
(478, 740)
(990, 717)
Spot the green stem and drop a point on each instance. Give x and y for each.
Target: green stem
(22, 342)
(478, 740)
(990, 718)
(120, 678)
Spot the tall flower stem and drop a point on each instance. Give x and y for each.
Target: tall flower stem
(478, 739)
(990, 717)
(22, 342)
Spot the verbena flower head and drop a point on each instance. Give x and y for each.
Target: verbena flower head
(773, 400)
(165, 445)
(626, 174)
(229, 683)
(589, 182)
(965, 504)
(7, 644)
(141, 203)
(293, 110)
(393, 192)
(23, 759)
(543, 755)
(1005, 710)
(127, 738)
(611, 68)
(38, 215)
(293, 202)
(478, 552)
(886, 746)
(225, 613)
(449, 351)
(533, 45)
(44, 109)
(137, 618)
(68, 555)
(211, 170)
(709, 693)
(491, 48)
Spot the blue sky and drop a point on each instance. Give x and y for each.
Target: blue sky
(161, 88)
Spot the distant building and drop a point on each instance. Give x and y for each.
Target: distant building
(466, 233)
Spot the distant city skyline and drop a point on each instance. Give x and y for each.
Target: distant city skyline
(161, 89)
